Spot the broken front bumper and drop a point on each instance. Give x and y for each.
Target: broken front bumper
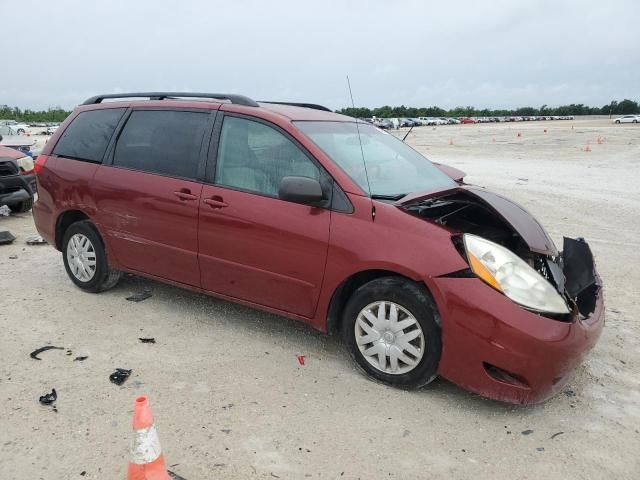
(16, 188)
(499, 350)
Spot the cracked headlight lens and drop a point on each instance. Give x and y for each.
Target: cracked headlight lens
(509, 274)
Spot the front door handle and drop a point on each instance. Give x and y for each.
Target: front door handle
(185, 194)
(216, 202)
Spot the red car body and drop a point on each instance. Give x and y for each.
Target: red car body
(294, 260)
(468, 120)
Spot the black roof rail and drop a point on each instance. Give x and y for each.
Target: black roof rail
(315, 106)
(233, 98)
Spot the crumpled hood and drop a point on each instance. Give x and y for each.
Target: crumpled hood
(522, 222)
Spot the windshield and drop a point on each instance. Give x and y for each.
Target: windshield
(394, 169)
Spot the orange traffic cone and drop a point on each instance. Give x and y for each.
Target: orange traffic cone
(147, 461)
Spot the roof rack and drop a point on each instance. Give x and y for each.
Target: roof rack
(303, 105)
(236, 99)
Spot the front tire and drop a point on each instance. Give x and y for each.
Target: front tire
(85, 258)
(391, 328)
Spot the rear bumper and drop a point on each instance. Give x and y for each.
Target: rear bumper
(485, 335)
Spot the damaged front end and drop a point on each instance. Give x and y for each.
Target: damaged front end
(473, 213)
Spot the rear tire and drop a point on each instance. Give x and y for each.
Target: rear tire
(85, 258)
(22, 207)
(408, 329)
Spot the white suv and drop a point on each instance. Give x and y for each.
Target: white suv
(628, 119)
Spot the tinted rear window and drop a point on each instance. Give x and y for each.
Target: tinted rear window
(161, 141)
(88, 135)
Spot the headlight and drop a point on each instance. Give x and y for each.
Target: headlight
(509, 274)
(25, 164)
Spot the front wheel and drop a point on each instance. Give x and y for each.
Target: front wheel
(391, 327)
(85, 259)
(617, 121)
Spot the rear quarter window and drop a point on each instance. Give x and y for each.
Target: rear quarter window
(163, 142)
(88, 135)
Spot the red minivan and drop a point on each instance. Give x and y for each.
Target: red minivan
(316, 216)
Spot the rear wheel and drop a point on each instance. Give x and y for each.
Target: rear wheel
(85, 259)
(617, 121)
(391, 328)
(22, 207)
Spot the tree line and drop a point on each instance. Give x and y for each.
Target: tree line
(56, 114)
(624, 107)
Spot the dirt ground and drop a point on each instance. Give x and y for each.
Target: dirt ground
(231, 400)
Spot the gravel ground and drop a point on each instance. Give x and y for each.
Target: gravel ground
(231, 400)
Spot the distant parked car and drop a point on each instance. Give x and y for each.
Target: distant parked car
(383, 123)
(407, 122)
(450, 120)
(468, 120)
(627, 119)
(17, 180)
(16, 128)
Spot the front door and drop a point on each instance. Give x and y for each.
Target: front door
(148, 196)
(252, 245)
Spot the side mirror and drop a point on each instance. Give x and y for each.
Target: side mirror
(303, 190)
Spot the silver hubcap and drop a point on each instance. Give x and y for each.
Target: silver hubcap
(389, 337)
(81, 257)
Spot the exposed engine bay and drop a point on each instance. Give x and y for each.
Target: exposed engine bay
(482, 213)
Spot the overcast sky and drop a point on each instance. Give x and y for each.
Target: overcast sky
(448, 53)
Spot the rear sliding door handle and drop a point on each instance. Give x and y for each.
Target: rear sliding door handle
(215, 202)
(182, 195)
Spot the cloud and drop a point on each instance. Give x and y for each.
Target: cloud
(488, 54)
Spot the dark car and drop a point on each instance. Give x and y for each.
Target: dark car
(312, 215)
(17, 181)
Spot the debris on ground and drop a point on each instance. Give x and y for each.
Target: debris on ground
(49, 398)
(35, 240)
(119, 376)
(226, 430)
(38, 351)
(5, 211)
(570, 393)
(555, 435)
(147, 340)
(6, 237)
(540, 449)
(13, 257)
(139, 296)
(301, 359)
(80, 359)
(527, 432)
(175, 476)
(69, 353)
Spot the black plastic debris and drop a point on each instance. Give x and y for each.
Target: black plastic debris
(37, 352)
(175, 476)
(13, 257)
(555, 435)
(80, 359)
(139, 296)
(147, 340)
(119, 376)
(6, 237)
(36, 240)
(69, 353)
(49, 398)
(527, 432)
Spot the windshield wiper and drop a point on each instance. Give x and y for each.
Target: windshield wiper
(397, 196)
